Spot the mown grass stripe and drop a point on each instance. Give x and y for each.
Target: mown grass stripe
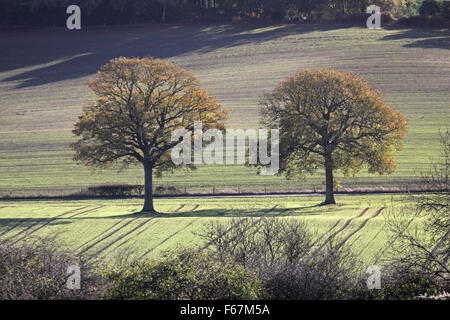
(99, 235)
(139, 233)
(44, 219)
(122, 236)
(169, 237)
(173, 234)
(12, 227)
(110, 234)
(54, 219)
(358, 229)
(380, 252)
(84, 212)
(332, 236)
(181, 207)
(326, 232)
(107, 236)
(370, 242)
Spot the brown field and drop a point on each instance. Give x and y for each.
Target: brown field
(43, 75)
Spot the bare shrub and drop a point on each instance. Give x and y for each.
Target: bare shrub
(282, 253)
(37, 270)
(421, 234)
(328, 275)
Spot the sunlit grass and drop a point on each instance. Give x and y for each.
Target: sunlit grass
(105, 227)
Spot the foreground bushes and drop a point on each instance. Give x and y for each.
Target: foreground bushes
(287, 257)
(186, 275)
(402, 287)
(38, 270)
(246, 259)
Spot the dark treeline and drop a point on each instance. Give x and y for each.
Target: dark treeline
(100, 12)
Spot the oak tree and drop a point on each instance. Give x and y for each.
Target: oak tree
(139, 103)
(332, 120)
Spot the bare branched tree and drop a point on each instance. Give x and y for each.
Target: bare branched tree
(282, 253)
(421, 243)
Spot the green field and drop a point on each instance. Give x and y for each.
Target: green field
(104, 228)
(42, 91)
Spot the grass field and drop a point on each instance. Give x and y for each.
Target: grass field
(103, 228)
(43, 75)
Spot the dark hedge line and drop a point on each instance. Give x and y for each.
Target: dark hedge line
(125, 190)
(109, 12)
(116, 190)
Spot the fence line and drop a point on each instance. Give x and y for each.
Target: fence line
(174, 189)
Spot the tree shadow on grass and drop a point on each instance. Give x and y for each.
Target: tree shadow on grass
(61, 55)
(25, 222)
(205, 213)
(218, 213)
(423, 38)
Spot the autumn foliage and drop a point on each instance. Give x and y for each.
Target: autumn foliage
(333, 120)
(139, 103)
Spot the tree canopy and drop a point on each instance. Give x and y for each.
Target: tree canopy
(140, 102)
(333, 120)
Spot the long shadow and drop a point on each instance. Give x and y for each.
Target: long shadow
(9, 222)
(423, 38)
(211, 213)
(64, 55)
(205, 213)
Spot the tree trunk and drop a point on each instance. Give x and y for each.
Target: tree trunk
(148, 203)
(329, 198)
